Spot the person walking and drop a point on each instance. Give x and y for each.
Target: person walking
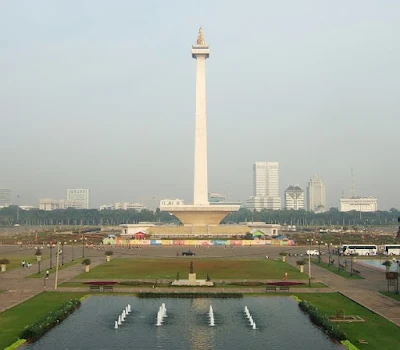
(47, 275)
(23, 264)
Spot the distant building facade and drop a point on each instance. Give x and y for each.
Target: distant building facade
(265, 187)
(362, 204)
(123, 206)
(219, 199)
(294, 198)
(78, 198)
(5, 197)
(51, 204)
(316, 198)
(173, 202)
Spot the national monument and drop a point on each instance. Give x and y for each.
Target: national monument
(201, 212)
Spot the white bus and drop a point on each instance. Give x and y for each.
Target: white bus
(391, 249)
(360, 249)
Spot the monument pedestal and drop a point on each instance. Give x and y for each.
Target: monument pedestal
(192, 278)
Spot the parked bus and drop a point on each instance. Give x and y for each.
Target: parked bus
(360, 249)
(391, 249)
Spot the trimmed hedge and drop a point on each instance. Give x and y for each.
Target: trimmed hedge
(349, 345)
(322, 321)
(40, 327)
(189, 295)
(16, 345)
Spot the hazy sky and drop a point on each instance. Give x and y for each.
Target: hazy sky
(100, 94)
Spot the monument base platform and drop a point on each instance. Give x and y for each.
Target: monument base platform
(200, 215)
(196, 283)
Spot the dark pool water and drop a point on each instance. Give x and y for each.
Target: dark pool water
(280, 325)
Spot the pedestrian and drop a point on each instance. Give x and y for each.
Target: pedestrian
(23, 264)
(47, 275)
(286, 277)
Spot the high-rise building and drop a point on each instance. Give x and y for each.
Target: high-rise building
(363, 204)
(316, 199)
(77, 198)
(5, 197)
(294, 198)
(265, 187)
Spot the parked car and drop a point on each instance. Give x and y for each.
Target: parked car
(188, 253)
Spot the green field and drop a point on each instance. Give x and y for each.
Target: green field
(13, 321)
(53, 270)
(376, 330)
(334, 269)
(217, 269)
(16, 260)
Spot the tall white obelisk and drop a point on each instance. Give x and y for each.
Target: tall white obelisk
(200, 51)
(200, 213)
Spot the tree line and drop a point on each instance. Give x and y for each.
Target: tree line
(13, 215)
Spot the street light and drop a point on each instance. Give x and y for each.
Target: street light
(329, 253)
(83, 246)
(319, 250)
(72, 242)
(38, 253)
(62, 252)
(398, 265)
(51, 246)
(310, 240)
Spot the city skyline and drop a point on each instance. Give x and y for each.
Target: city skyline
(310, 86)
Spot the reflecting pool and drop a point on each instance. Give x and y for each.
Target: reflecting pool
(280, 325)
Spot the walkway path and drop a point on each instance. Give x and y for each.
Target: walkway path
(18, 288)
(362, 291)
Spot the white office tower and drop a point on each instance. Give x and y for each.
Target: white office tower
(77, 198)
(5, 197)
(265, 187)
(294, 198)
(316, 199)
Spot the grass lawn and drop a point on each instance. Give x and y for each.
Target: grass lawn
(217, 269)
(392, 295)
(334, 269)
(13, 321)
(379, 332)
(53, 270)
(17, 259)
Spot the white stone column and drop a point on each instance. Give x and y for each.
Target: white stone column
(200, 196)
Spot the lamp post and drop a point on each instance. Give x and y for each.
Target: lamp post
(329, 253)
(397, 279)
(72, 242)
(309, 240)
(319, 250)
(83, 246)
(38, 253)
(62, 252)
(338, 259)
(51, 246)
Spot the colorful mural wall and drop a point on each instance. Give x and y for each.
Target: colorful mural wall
(194, 242)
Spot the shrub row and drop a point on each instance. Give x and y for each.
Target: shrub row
(142, 283)
(16, 345)
(247, 284)
(40, 327)
(320, 319)
(189, 295)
